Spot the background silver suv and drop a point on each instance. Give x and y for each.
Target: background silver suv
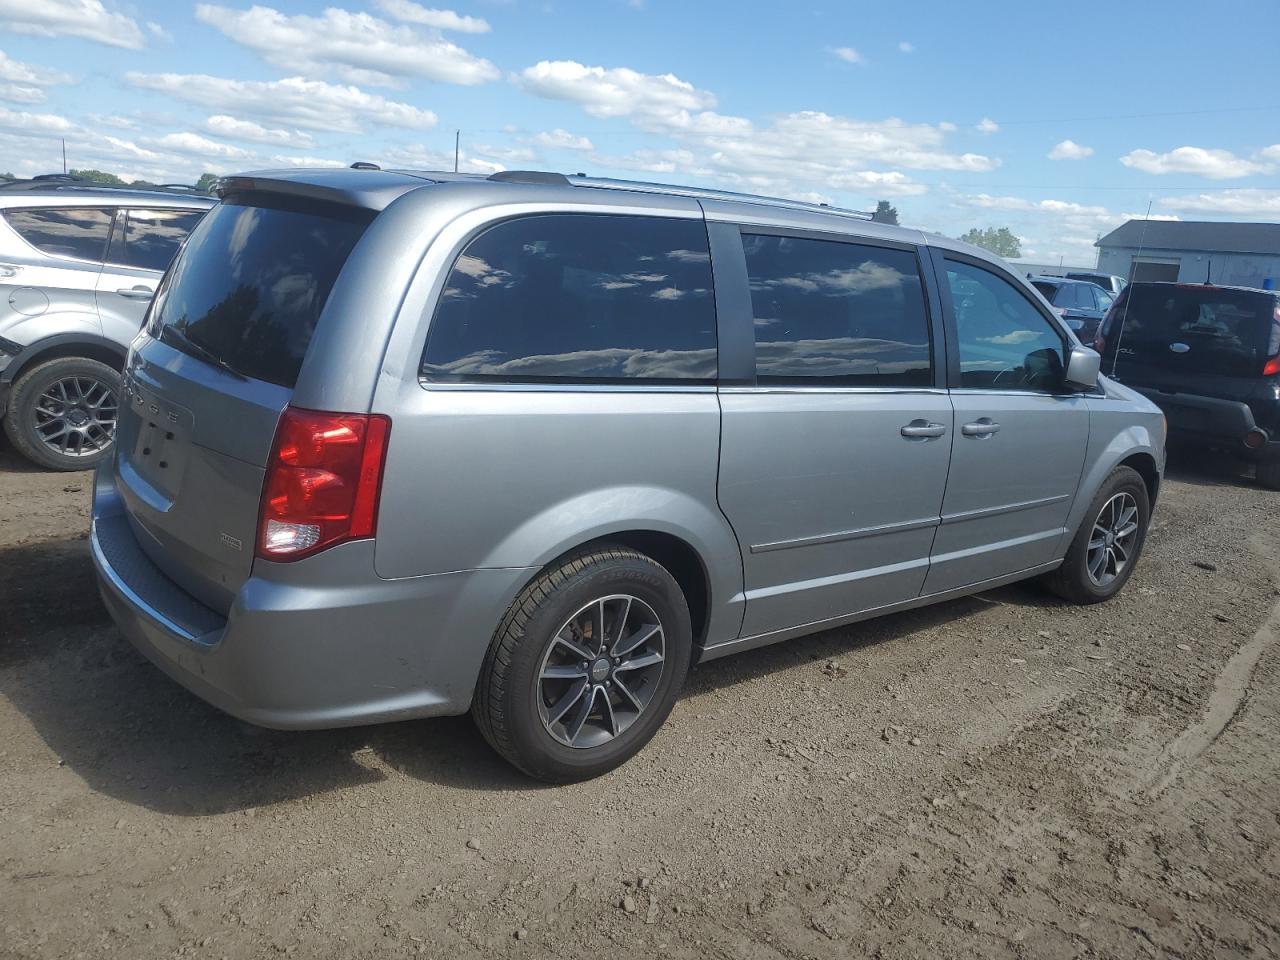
(78, 266)
(399, 445)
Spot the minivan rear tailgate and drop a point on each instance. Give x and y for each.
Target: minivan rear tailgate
(191, 446)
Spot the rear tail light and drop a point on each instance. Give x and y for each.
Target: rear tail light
(1255, 439)
(1271, 367)
(322, 483)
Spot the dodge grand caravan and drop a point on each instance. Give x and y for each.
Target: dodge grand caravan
(400, 445)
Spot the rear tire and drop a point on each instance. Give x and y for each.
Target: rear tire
(1102, 554)
(71, 398)
(569, 631)
(1268, 475)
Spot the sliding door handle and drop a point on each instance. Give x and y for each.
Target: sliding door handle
(982, 427)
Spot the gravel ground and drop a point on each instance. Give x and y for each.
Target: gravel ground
(1002, 776)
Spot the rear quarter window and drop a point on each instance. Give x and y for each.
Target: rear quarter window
(77, 232)
(569, 297)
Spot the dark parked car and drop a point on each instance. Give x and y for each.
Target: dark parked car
(1210, 357)
(1082, 303)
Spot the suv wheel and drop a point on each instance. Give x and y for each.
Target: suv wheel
(1268, 475)
(62, 413)
(1105, 549)
(585, 666)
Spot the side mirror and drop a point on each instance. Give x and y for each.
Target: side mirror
(1083, 366)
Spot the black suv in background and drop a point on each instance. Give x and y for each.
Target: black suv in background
(1082, 303)
(1209, 356)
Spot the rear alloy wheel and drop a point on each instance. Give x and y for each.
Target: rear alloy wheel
(585, 666)
(62, 414)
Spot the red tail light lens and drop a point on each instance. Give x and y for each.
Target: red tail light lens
(1271, 367)
(323, 481)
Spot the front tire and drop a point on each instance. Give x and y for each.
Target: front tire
(1106, 548)
(62, 413)
(585, 666)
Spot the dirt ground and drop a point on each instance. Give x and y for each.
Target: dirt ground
(1002, 776)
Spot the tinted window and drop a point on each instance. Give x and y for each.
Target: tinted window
(836, 312)
(1104, 299)
(250, 284)
(1200, 329)
(1047, 290)
(1005, 343)
(150, 238)
(568, 297)
(78, 232)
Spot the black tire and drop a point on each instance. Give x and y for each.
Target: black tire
(1268, 475)
(1072, 580)
(506, 707)
(20, 420)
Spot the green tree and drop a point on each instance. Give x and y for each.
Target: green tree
(886, 212)
(99, 176)
(1000, 241)
(206, 181)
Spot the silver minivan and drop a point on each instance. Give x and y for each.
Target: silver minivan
(402, 445)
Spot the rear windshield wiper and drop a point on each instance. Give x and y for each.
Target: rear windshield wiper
(184, 342)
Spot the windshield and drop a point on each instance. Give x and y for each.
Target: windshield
(248, 287)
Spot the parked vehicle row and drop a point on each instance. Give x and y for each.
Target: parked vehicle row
(1082, 303)
(398, 445)
(78, 267)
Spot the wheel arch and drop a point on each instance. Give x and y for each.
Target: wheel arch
(86, 345)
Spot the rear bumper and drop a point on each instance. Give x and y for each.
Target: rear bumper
(307, 644)
(1222, 424)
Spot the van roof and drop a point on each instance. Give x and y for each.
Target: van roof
(374, 188)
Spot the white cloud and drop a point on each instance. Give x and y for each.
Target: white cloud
(87, 19)
(794, 154)
(250, 132)
(310, 104)
(16, 71)
(159, 32)
(559, 139)
(614, 92)
(1249, 203)
(407, 11)
(906, 46)
(113, 120)
(419, 157)
(1069, 150)
(198, 146)
(987, 125)
(523, 155)
(1198, 161)
(289, 161)
(356, 46)
(48, 123)
(18, 93)
(847, 54)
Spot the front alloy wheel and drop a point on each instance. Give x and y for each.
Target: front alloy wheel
(1111, 543)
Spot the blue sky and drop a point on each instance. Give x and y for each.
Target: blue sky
(1057, 120)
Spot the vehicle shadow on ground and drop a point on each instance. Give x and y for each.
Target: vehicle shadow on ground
(1203, 468)
(132, 733)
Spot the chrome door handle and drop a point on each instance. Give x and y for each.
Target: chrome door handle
(922, 430)
(982, 427)
(136, 293)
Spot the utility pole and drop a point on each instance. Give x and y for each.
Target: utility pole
(457, 142)
(64, 154)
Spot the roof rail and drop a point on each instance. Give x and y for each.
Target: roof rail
(364, 165)
(704, 193)
(529, 176)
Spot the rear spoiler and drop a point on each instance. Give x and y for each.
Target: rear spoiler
(373, 190)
